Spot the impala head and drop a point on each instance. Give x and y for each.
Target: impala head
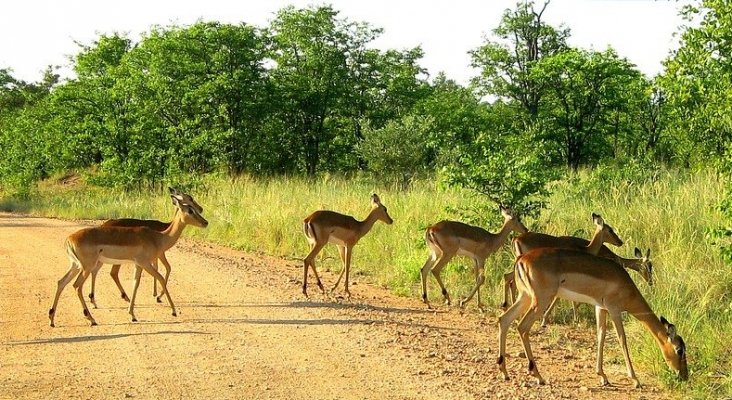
(189, 214)
(674, 350)
(185, 198)
(380, 210)
(609, 235)
(646, 268)
(514, 220)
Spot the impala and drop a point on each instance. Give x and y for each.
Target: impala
(88, 248)
(604, 233)
(323, 227)
(446, 239)
(535, 240)
(154, 225)
(545, 274)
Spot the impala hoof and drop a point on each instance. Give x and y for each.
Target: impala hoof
(52, 325)
(175, 314)
(134, 319)
(158, 300)
(94, 323)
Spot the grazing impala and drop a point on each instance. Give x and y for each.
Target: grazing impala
(323, 227)
(446, 239)
(545, 274)
(88, 248)
(154, 225)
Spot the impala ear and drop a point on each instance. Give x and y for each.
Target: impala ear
(648, 253)
(638, 253)
(375, 199)
(176, 200)
(670, 328)
(597, 219)
(173, 190)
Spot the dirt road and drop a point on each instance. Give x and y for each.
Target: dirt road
(244, 331)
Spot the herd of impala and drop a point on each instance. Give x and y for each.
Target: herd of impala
(546, 268)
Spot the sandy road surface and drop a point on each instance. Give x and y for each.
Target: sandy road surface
(244, 331)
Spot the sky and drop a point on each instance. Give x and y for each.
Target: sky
(38, 33)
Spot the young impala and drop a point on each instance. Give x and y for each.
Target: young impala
(447, 239)
(88, 248)
(323, 227)
(544, 274)
(154, 225)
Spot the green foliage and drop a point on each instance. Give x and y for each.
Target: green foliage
(399, 150)
(505, 169)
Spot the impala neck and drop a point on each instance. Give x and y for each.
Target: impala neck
(653, 324)
(175, 229)
(596, 242)
(505, 231)
(365, 226)
(632, 263)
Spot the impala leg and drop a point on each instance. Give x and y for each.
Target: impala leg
(166, 264)
(519, 307)
(79, 285)
(155, 284)
(349, 252)
(548, 312)
(575, 312)
(310, 262)
(152, 269)
(131, 309)
(423, 275)
(618, 322)
(437, 269)
(479, 271)
(342, 253)
(524, 329)
(601, 318)
(509, 290)
(115, 277)
(65, 280)
(93, 284)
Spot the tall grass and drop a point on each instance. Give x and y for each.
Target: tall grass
(667, 211)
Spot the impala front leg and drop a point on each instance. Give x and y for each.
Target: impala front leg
(131, 310)
(166, 264)
(153, 270)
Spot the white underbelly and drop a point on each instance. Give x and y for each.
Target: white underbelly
(107, 260)
(463, 252)
(335, 240)
(576, 297)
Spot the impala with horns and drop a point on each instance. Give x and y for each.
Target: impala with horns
(446, 239)
(154, 225)
(88, 248)
(323, 227)
(545, 274)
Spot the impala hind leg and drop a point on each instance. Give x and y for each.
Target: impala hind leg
(509, 289)
(342, 253)
(437, 269)
(519, 307)
(423, 275)
(93, 284)
(79, 285)
(131, 309)
(601, 319)
(310, 262)
(72, 272)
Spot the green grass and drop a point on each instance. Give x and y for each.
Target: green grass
(669, 212)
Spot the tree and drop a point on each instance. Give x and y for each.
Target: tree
(506, 65)
(584, 88)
